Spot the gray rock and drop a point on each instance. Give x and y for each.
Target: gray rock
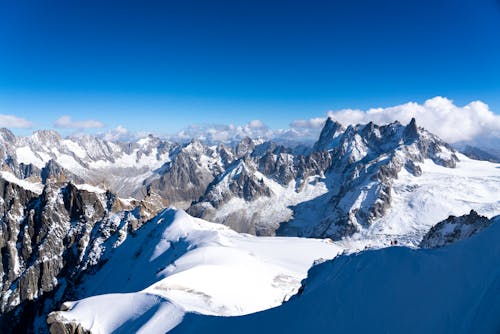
(454, 229)
(48, 241)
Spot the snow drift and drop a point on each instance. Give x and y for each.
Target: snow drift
(453, 289)
(179, 264)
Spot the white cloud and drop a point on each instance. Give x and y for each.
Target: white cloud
(256, 124)
(225, 133)
(313, 123)
(11, 121)
(439, 115)
(120, 133)
(473, 123)
(68, 123)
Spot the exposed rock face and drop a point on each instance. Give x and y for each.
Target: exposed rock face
(329, 135)
(357, 164)
(48, 240)
(365, 161)
(352, 161)
(63, 327)
(52, 171)
(454, 229)
(246, 146)
(186, 178)
(251, 178)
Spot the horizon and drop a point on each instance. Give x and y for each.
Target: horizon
(471, 124)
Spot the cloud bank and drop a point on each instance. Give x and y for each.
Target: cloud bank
(11, 121)
(66, 122)
(471, 123)
(225, 133)
(120, 133)
(439, 115)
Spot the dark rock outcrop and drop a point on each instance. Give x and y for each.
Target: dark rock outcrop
(48, 240)
(453, 229)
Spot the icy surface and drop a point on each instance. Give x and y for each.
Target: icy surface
(186, 264)
(420, 202)
(35, 187)
(393, 290)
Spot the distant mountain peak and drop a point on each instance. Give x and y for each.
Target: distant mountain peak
(330, 132)
(411, 131)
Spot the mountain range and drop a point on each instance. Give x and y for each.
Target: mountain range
(86, 219)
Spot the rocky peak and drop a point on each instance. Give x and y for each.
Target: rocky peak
(245, 146)
(195, 146)
(49, 241)
(453, 229)
(46, 137)
(225, 154)
(329, 135)
(370, 131)
(53, 172)
(266, 148)
(411, 133)
(7, 136)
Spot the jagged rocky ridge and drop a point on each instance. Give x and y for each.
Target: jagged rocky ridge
(355, 167)
(49, 239)
(455, 228)
(55, 227)
(351, 169)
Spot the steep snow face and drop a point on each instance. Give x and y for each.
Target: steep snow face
(394, 290)
(197, 267)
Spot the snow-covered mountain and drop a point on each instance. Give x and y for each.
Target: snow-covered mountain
(180, 264)
(396, 289)
(72, 207)
(348, 183)
(50, 235)
(121, 167)
(368, 182)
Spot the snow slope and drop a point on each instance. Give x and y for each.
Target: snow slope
(453, 289)
(418, 202)
(179, 264)
(35, 187)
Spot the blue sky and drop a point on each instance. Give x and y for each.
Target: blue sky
(159, 66)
